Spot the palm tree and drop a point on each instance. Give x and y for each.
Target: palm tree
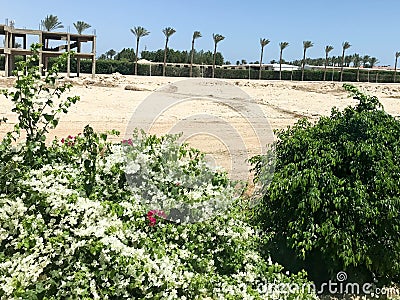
(345, 46)
(365, 60)
(327, 50)
(306, 45)
(282, 46)
(373, 61)
(110, 53)
(217, 38)
(168, 31)
(196, 35)
(138, 32)
(357, 63)
(263, 43)
(397, 55)
(50, 23)
(81, 26)
(348, 60)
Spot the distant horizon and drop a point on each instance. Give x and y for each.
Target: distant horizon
(369, 26)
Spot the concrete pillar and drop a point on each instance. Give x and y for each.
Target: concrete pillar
(94, 57)
(78, 62)
(6, 54)
(69, 56)
(41, 55)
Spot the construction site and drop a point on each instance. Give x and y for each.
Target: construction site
(54, 44)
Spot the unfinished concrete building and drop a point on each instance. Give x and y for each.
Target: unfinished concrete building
(66, 42)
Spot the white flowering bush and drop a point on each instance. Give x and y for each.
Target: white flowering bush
(80, 223)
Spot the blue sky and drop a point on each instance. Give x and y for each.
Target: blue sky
(371, 26)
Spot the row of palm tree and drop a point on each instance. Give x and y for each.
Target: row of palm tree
(140, 32)
(51, 22)
(308, 44)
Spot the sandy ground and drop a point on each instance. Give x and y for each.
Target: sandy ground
(111, 102)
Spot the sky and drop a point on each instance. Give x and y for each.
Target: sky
(370, 26)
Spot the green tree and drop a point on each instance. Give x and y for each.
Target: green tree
(357, 63)
(110, 53)
(327, 50)
(345, 46)
(51, 23)
(397, 54)
(347, 60)
(373, 61)
(81, 26)
(306, 45)
(195, 36)
(217, 38)
(282, 46)
(168, 31)
(127, 54)
(139, 32)
(263, 43)
(334, 196)
(365, 61)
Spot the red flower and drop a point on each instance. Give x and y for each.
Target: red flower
(153, 213)
(127, 142)
(152, 221)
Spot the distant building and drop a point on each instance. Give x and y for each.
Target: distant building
(67, 42)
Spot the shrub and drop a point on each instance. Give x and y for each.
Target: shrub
(334, 200)
(73, 227)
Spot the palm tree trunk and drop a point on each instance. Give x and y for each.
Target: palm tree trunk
(395, 70)
(341, 68)
(326, 63)
(165, 56)
(280, 66)
(259, 73)
(191, 59)
(215, 54)
(303, 64)
(358, 74)
(137, 54)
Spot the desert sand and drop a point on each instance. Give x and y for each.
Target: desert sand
(110, 101)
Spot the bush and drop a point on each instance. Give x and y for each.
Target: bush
(334, 201)
(73, 227)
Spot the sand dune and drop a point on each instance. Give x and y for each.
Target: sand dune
(109, 102)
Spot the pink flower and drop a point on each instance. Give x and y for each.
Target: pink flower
(152, 214)
(127, 142)
(152, 221)
(69, 141)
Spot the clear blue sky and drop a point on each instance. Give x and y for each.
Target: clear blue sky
(371, 26)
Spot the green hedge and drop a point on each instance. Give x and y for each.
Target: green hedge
(127, 67)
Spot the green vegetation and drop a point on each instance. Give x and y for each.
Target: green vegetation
(282, 46)
(138, 32)
(306, 45)
(263, 43)
(333, 204)
(81, 26)
(168, 32)
(72, 227)
(196, 35)
(217, 38)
